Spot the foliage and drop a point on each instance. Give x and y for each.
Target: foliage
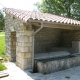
(67, 8)
(2, 67)
(1, 21)
(2, 45)
(2, 51)
(2, 33)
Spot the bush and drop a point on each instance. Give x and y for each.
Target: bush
(2, 67)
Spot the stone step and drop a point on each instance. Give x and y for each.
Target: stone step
(1, 58)
(3, 74)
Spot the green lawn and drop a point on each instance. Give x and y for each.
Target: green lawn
(2, 45)
(2, 67)
(2, 51)
(2, 33)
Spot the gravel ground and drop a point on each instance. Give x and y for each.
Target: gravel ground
(15, 73)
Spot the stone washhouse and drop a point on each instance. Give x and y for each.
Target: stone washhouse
(31, 35)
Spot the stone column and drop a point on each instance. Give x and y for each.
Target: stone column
(24, 49)
(13, 46)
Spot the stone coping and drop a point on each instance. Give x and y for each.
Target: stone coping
(51, 55)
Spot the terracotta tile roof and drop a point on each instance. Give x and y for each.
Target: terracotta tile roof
(26, 15)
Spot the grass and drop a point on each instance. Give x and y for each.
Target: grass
(2, 45)
(2, 67)
(2, 51)
(2, 33)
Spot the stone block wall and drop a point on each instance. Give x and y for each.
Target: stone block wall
(13, 45)
(67, 36)
(24, 49)
(47, 66)
(50, 39)
(46, 39)
(18, 42)
(8, 35)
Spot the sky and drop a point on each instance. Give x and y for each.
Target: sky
(19, 4)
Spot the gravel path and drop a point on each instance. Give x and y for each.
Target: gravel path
(15, 73)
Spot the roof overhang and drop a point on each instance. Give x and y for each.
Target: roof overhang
(53, 24)
(48, 20)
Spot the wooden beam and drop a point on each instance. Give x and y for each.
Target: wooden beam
(59, 26)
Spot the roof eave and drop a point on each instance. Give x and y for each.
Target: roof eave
(51, 24)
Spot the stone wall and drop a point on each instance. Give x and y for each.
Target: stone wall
(50, 39)
(46, 39)
(13, 45)
(47, 66)
(24, 49)
(67, 36)
(8, 35)
(18, 42)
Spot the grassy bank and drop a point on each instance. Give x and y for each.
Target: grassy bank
(2, 66)
(2, 44)
(2, 51)
(2, 33)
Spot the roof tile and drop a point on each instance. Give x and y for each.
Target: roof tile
(26, 15)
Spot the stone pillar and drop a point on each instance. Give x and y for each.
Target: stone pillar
(8, 44)
(24, 49)
(19, 44)
(13, 46)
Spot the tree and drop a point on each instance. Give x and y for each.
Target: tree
(1, 21)
(76, 10)
(67, 8)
